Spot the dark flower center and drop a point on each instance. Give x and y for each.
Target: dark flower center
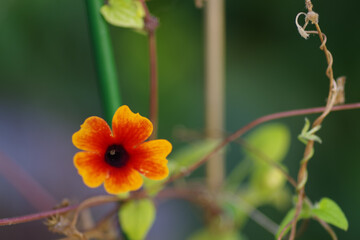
(116, 156)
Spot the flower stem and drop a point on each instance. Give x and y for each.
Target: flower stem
(104, 59)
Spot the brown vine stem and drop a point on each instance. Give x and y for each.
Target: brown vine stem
(238, 133)
(89, 203)
(253, 124)
(327, 228)
(151, 24)
(302, 174)
(36, 216)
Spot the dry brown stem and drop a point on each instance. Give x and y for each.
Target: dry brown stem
(331, 101)
(86, 204)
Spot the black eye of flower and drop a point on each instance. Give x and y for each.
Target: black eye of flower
(116, 156)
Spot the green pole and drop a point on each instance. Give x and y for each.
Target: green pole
(104, 59)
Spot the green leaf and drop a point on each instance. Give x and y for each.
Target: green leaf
(188, 155)
(136, 218)
(273, 140)
(330, 212)
(304, 214)
(289, 216)
(270, 143)
(124, 13)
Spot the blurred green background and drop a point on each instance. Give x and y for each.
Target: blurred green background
(48, 88)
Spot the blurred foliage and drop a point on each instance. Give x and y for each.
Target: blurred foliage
(267, 147)
(209, 234)
(191, 153)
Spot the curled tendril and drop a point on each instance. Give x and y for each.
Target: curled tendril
(301, 29)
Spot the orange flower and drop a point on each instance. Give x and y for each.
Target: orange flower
(117, 158)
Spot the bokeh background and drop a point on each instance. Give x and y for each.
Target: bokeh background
(48, 87)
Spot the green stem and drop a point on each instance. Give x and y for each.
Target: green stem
(104, 59)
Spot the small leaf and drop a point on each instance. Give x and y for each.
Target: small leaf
(330, 212)
(136, 218)
(314, 138)
(272, 140)
(124, 13)
(309, 135)
(306, 126)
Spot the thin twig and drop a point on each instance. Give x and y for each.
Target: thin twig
(92, 202)
(151, 24)
(332, 96)
(202, 198)
(36, 216)
(194, 194)
(95, 232)
(327, 228)
(241, 131)
(253, 124)
(303, 227)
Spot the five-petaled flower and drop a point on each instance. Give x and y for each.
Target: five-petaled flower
(117, 158)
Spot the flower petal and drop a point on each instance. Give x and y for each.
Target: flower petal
(155, 150)
(94, 135)
(129, 128)
(152, 170)
(123, 180)
(149, 158)
(91, 167)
